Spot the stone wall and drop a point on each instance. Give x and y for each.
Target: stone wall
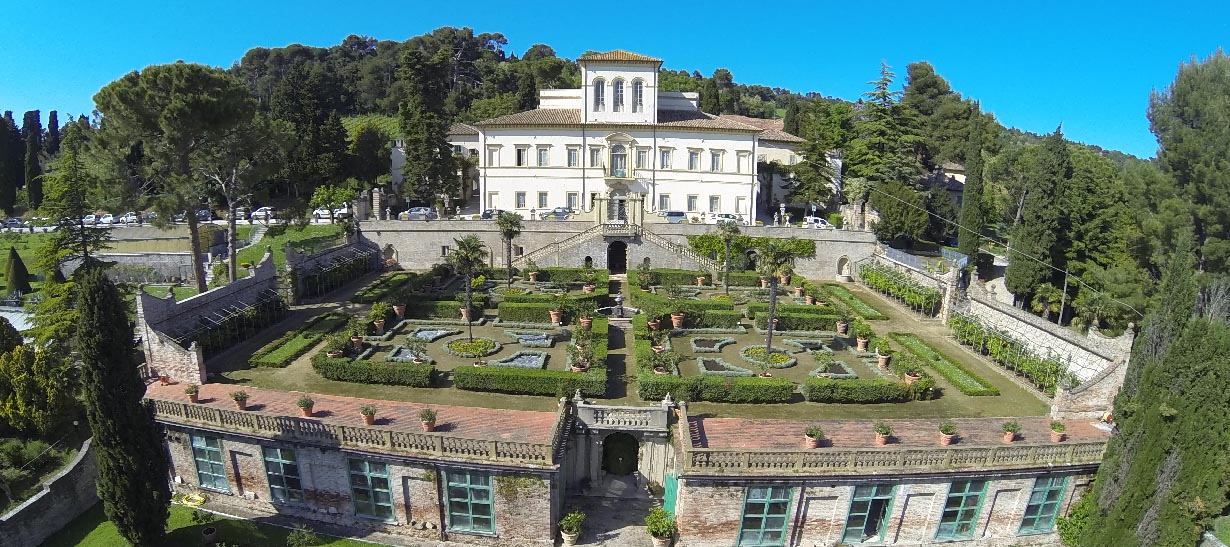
(63, 497)
(708, 511)
(523, 500)
(167, 265)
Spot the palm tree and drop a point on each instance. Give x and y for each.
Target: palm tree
(510, 227)
(1047, 299)
(775, 258)
(728, 230)
(468, 259)
(1091, 307)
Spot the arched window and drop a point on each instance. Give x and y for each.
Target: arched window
(619, 161)
(617, 95)
(638, 96)
(599, 95)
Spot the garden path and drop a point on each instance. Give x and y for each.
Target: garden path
(613, 522)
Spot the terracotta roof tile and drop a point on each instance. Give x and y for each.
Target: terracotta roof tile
(569, 117)
(619, 55)
(540, 116)
(700, 120)
(462, 129)
(771, 130)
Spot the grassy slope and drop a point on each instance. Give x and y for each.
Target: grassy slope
(311, 237)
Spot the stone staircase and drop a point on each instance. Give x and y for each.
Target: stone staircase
(593, 232)
(258, 233)
(613, 229)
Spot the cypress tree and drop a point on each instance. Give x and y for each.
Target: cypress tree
(527, 91)
(429, 169)
(16, 276)
(10, 164)
(972, 216)
(132, 461)
(791, 122)
(1035, 241)
(32, 144)
(710, 102)
(52, 143)
(33, 171)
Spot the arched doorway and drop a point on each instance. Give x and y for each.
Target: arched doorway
(843, 268)
(617, 257)
(619, 454)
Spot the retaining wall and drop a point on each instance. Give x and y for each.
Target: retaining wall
(63, 498)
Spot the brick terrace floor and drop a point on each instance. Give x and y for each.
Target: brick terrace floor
(469, 422)
(736, 433)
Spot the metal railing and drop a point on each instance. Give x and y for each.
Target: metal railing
(288, 428)
(703, 261)
(592, 232)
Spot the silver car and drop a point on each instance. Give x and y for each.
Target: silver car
(418, 213)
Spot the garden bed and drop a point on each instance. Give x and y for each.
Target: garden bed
(778, 358)
(522, 359)
(961, 378)
(479, 347)
(290, 346)
(854, 303)
(710, 345)
(836, 370)
(716, 366)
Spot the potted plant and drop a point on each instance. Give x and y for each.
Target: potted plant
(653, 315)
(884, 352)
(369, 414)
(812, 436)
(427, 418)
(913, 373)
(531, 269)
(305, 404)
(1057, 431)
(645, 276)
(798, 291)
(1010, 431)
(559, 305)
(883, 432)
(582, 356)
(657, 341)
(948, 431)
(570, 526)
(862, 334)
(810, 297)
(585, 311)
(379, 315)
(764, 282)
(661, 526)
(784, 279)
(400, 309)
(240, 398)
(591, 280)
(335, 346)
(164, 379)
(192, 391)
(357, 330)
(843, 324)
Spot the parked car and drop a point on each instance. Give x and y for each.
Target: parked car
(204, 215)
(149, 217)
(263, 213)
(675, 217)
(491, 214)
(14, 224)
(107, 218)
(566, 211)
(816, 222)
(241, 213)
(715, 218)
(418, 213)
(323, 213)
(180, 217)
(129, 218)
(89, 220)
(554, 215)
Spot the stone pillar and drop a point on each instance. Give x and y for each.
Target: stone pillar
(378, 204)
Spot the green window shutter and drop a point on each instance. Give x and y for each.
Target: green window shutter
(210, 471)
(961, 510)
(470, 505)
(868, 516)
(765, 513)
(370, 490)
(1043, 505)
(282, 470)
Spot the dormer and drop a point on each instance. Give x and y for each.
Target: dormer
(619, 87)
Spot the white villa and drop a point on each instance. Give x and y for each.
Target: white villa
(619, 148)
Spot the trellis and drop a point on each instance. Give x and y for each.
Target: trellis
(1005, 350)
(900, 285)
(222, 328)
(341, 269)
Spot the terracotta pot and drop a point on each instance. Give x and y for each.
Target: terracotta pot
(1057, 437)
(400, 310)
(587, 322)
(357, 342)
(335, 353)
(677, 320)
(533, 276)
(557, 316)
(241, 405)
(369, 420)
(589, 288)
(1009, 436)
(577, 368)
(798, 292)
(700, 281)
(164, 379)
(569, 539)
(810, 442)
(193, 398)
(307, 412)
(654, 324)
(910, 379)
(465, 313)
(660, 542)
(764, 283)
(428, 427)
(946, 440)
(658, 349)
(843, 327)
(881, 439)
(659, 370)
(783, 279)
(861, 344)
(379, 327)
(810, 299)
(884, 359)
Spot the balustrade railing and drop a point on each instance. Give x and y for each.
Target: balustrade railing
(651, 418)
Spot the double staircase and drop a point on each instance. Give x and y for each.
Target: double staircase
(622, 229)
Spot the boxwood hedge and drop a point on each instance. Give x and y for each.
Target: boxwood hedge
(826, 390)
(554, 383)
(718, 389)
(799, 321)
(371, 372)
(526, 312)
(290, 346)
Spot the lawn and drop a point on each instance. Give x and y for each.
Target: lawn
(181, 292)
(303, 340)
(867, 311)
(92, 529)
(313, 237)
(1221, 529)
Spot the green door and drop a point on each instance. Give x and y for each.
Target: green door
(672, 492)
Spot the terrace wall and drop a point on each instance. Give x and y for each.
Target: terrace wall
(63, 497)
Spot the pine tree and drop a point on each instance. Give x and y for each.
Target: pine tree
(52, 143)
(1035, 241)
(34, 398)
(16, 276)
(132, 460)
(527, 91)
(710, 102)
(972, 215)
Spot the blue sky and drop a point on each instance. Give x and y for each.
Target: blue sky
(1087, 65)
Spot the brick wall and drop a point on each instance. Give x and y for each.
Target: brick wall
(63, 497)
(524, 500)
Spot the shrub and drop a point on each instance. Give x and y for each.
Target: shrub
(659, 523)
(718, 389)
(957, 374)
(427, 415)
(883, 428)
(367, 410)
(520, 381)
(536, 312)
(423, 308)
(799, 322)
(779, 358)
(814, 432)
(302, 536)
(1011, 427)
(380, 311)
(571, 523)
(716, 319)
(825, 390)
(948, 428)
(852, 303)
(305, 402)
(290, 346)
(370, 372)
(757, 307)
(667, 276)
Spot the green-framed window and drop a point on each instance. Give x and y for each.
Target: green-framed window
(868, 517)
(282, 470)
(369, 488)
(470, 508)
(961, 510)
(765, 509)
(1043, 505)
(210, 470)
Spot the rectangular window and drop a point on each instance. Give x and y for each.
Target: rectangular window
(595, 157)
(544, 156)
(868, 515)
(961, 510)
(574, 201)
(692, 201)
(523, 156)
(593, 198)
(444, 250)
(542, 200)
(520, 200)
(715, 161)
(493, 199)
(764, 516)
(693, 160)
(469, 502)
(740, 205)
(665, 161)
(369, 486)
(715, 203)
(210, 471)
(573, 156)
(282, 470)
(760, 158)
(493, 156)
(664, 202)
(1043, 505)
(742, 161)
(642, 158)
(518, 250)
(792, 159)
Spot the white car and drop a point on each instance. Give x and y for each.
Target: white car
(89, 220)
(816, 222)
(264, 213)
(129, 218)
(323, 213)
(715, 218)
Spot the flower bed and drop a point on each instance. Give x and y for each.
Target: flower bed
(432, 334)
(807, 345)
(900, 286)
(479, 347)
(402, 354)
(523, 359)
(854, 303)
(709, 345)
(779, 358)
(836, 370)
(531, 339)
(962, 378)
(716, 366)
(290, 346)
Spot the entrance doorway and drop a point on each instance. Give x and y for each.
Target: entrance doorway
(619, 453)
(617, 257)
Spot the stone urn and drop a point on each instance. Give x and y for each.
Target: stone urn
(400, 310)
(861, 344)
(654, 324)
(1057, 437)
(677, 320)
(357, 342)
(533, 276)
(810, 299)
(883, 359)
(911, 378)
